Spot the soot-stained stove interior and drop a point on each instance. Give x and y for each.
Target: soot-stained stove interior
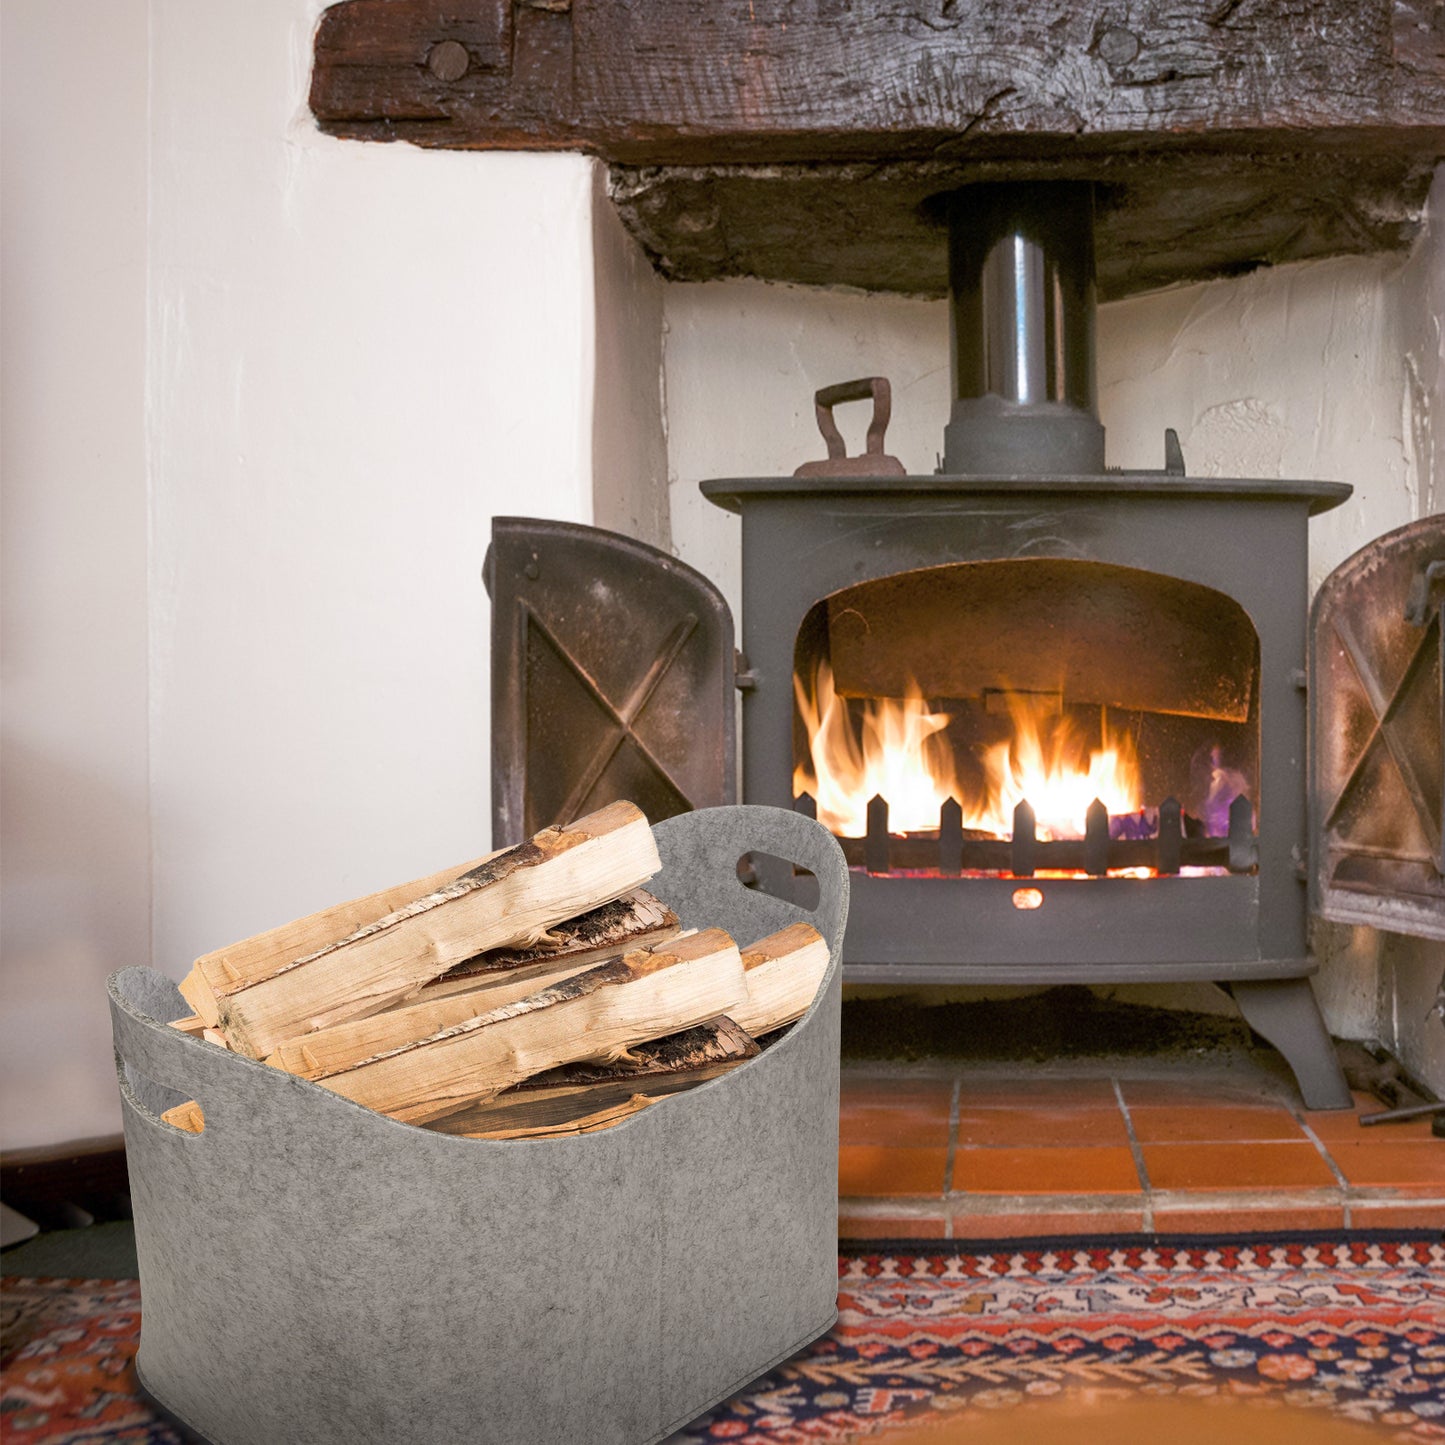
(1037, 717)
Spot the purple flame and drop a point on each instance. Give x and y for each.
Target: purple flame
(1135, 826)
(1225, 785)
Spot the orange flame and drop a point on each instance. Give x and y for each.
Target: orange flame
(896, 751)
(895, 757)
(1044, 764)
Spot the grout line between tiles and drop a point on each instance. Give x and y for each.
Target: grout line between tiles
(1369, 1203)
(1344, 1184)
(1264, 1201)
(889, 1207)
(1080, 1204)
(1137, 1150)
(953, 1107)
(1276, 1201)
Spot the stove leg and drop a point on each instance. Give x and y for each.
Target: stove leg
(1286, 1013)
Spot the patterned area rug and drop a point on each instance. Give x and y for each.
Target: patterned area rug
(65, 1375)
(1356, 1328)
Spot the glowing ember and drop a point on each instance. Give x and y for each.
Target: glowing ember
(894, 750)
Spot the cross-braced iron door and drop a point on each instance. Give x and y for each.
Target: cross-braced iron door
(612, 677)
(1377, 735)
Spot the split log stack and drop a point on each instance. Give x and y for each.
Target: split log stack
(535, 992)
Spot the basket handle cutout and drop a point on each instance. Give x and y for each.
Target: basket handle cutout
(160, 1068)
(779, 877)
(700, 856)
(157, 1103)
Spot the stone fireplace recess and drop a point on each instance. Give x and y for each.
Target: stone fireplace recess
(1056, 713)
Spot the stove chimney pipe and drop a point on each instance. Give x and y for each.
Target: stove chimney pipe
(1021, 299)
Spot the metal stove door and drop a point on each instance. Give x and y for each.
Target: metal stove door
(1377, 720)
(612, 677)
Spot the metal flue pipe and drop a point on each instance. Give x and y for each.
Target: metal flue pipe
(1021, 302)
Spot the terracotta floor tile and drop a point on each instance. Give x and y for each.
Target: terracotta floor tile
(1100, 1170)
(895, 1111)
(1398, 1216)
(1263, 1165)
(1192, 1090)
(874, 1171)
(1042, 1126)
(1026, 1091)
(1211, 1123)
(891, 1089)
(858, 1226)
(1085, 1224)
(1284, 1216)
(898, 1124)
(1345, 1124)
(1416, 1163)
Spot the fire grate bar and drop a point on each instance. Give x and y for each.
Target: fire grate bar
(952, 853)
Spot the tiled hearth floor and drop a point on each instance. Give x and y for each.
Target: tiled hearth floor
(949, 1150)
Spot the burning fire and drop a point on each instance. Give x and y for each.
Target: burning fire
(896, 757)
(1040, 764)
(896, 752)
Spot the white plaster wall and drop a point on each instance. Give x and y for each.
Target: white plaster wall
(1414, 970)
(629, 439)
(359, 354)
(742, 361)
(264, 392)
(74, 861)
(1422, 305)
(1297, 371)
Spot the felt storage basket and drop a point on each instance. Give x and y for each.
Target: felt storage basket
(313, 1273)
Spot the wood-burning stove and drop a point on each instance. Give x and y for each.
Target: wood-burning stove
(1026, 612)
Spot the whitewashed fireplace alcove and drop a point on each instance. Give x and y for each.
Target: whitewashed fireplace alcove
(265, 390)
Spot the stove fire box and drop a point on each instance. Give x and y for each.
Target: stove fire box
(804, 541)
(1024, 578)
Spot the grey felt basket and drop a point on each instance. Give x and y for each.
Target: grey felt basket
(313, 1272)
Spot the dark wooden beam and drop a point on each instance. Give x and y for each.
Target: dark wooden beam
(795, 140)
(700, 82)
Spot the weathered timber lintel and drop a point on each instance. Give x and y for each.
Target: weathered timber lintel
(794, 141)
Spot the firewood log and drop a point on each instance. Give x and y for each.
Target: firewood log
(187, 1116)
(580, 1124)
(782, 973)
(511, 900)
(599, 1014)
(231, 968)
(194, 1026)
(636, 920)
(482, 985)
(563, 1100)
